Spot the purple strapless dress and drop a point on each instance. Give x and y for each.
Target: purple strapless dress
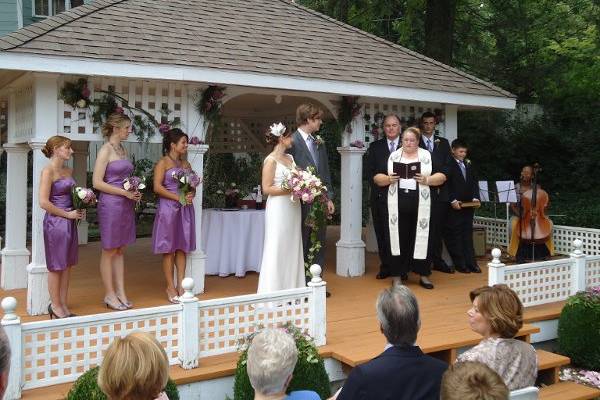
(116, 214)
(174, 225)
(60, 234)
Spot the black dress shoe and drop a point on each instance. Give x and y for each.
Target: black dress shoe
(327, 294)
(463, 270)
(475, 268)
(425, 283)
(404, 277)
(382, 275)
(444, 268)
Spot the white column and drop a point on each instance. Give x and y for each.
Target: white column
(15, 255)
(45, 125)
(318, 306)
(451, 115)
(196, 260)
(578, 278)
(496, 268)
(11, 323)
(80, 158)
(37, 273)
(189, 325)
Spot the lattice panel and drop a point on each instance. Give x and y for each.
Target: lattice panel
(495, 230)
(152, 96)
(222, 327)
(23, 113)
(408, 113)
(592, 271)
(61, 354)
(243, 135)
(540, 283)
(564, 235)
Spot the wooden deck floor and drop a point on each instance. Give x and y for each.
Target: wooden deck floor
(352, 329)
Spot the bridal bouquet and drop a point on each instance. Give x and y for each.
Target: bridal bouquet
(309, 189)
(187, 181)
(83, 198)
(135, 184)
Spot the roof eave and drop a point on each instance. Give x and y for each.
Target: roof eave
(84, 66)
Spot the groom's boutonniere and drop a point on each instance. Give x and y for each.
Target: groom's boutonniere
(467, 161)
(436, 141)
(319, 140)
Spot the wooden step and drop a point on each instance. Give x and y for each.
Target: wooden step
(549, 366)
(568, 391)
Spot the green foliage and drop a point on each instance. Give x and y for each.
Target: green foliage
(145, 168)
(309, 373)
(579, 329)
(86, 388)
(220, 170)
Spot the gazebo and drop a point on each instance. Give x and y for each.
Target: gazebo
(157, 53)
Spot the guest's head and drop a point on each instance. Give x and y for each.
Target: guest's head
(309, 117)
(526, 174)
(116, 124)
(58, 146)
(459, 149)
(134, 368)
(272, 356)
(391, 126)
(175, 140)
(410, 139)
(428, 123)
(279, 134)
(496, 311)
(472, 381)
(398, 314)
(4, 362)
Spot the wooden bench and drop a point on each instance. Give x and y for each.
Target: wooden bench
(549, 366)
(568, 391)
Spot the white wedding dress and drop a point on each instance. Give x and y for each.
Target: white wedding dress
(282, 264)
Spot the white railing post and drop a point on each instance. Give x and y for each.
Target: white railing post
(318, 306)
(496, 268)
(188, 327)
(12, 327)
(578, 267)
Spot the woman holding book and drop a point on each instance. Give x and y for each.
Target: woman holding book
(116, 209)
(411, 172)
(174, 231)
(60, 229)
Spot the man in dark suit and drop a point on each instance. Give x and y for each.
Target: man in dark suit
(462, 187)
(440, 150)
(402, 371)
(308, 149)
(377, 159)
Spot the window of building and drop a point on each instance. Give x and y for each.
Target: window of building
(48, 8)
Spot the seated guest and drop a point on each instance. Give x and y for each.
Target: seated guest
(472, 381)
(134, 368)
(272, 356)
(402, 371)
(497, 315)
(4, 362)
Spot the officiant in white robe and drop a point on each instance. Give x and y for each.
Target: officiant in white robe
(409, 208)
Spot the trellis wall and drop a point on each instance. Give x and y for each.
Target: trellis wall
(20, 113)
(47, 353)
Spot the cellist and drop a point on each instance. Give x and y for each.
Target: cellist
(523, 245)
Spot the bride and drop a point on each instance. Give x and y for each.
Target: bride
(282, 264)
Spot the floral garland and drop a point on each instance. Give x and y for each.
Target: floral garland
(209, 103)
(349, 109)
(144, 124)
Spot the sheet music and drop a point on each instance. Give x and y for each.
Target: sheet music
(506, 192)
(484, 194)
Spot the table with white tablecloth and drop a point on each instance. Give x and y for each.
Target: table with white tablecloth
(232, 241)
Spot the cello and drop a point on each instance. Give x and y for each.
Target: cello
(534, 226)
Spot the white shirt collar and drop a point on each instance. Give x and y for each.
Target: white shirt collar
(304, 134)
(395, 141)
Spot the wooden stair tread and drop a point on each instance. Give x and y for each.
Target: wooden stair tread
(568, 391)
(548, 360)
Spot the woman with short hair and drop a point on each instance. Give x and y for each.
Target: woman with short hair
(497, 315)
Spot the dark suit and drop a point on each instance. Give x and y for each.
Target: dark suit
(459, 230)
(304, 159)
(377, 159)
(399, 373)
(439, 200)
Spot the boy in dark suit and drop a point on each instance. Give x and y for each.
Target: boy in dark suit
(462, 188)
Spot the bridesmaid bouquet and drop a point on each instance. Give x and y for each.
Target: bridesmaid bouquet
(187, 181)
(83, 198)
(135, 184)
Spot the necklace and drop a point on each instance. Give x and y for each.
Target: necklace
(118, 149)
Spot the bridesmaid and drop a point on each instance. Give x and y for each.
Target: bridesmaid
(174, 231)
(60, 230)
(116, 209)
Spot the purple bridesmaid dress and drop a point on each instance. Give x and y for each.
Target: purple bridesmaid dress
(116, 214)
(174, 225)
(60, 234)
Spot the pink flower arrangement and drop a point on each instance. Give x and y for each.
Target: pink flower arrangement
(119, 110)
(359, 144)
(305, 186)
(164, 128)
(187, 181)
(195, 140)
(83, 198)
(135, 184)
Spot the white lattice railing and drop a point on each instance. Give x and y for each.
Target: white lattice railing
(51, 352)
(547, 281)
(562, 236)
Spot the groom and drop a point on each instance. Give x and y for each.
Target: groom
(309, 150)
